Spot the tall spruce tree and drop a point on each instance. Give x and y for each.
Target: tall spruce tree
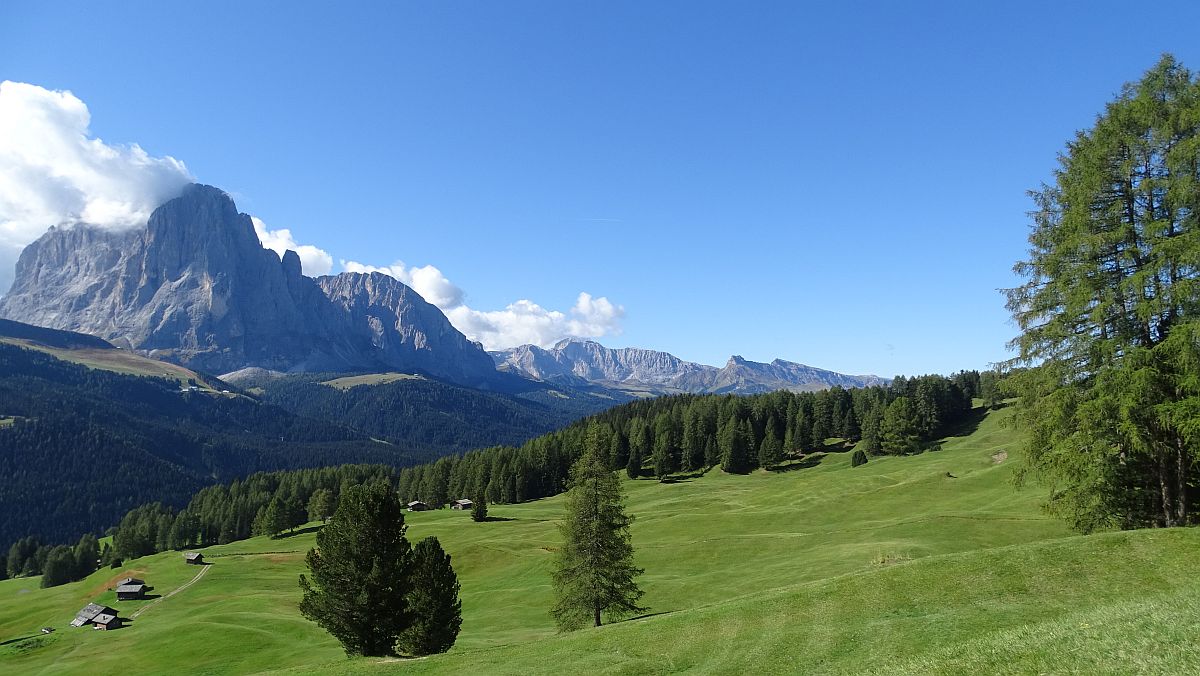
(737, 441)
(359, 572)
(479, 509)
(770, 451)
(634, 468)
(432, 602)
(593, 570)
(898, 432)
(321, 505)
(664, 447)
(1109, 313)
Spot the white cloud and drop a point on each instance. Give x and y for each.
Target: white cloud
(53, 172)
(522, 322)
(314, 261)
(427, 281)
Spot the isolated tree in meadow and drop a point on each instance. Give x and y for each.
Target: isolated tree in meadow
(1110, 314)
(479, 509)
(593, 571)
(432, 601)
(358, 572)
(898, 431)
(858, 458)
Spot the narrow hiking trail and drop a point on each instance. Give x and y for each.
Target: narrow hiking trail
(185, 585)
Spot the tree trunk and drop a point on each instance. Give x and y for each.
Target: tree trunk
(597, 617)
(1181, 482)
(1164, 488)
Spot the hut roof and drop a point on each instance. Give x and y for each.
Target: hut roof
(415, 502)
(464, 501)
(104, 618)
(89, 613)
(131, 588)
(191, 556)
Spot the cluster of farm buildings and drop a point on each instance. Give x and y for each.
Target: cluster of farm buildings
(418, 506)
(130, 589)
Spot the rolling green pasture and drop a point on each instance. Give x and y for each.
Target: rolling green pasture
(117, 360)
(369, 379)
(925, 564)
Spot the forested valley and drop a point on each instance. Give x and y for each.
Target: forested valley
(658, 438)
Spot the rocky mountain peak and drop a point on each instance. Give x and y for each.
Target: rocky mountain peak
(196, 286)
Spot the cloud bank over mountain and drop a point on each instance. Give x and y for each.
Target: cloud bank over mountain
(522, 322)
(54, 172)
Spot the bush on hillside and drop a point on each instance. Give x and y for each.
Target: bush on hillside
(859, 458)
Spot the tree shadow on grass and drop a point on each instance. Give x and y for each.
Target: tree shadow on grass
(641, 617)
(675, 479)
(301, 531)
(805, 462)
(18, 640)
(497, 519)
(969, 424)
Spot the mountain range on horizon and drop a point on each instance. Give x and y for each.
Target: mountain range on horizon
(196, 287)
(577, 361)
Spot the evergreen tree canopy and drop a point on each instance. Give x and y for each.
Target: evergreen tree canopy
(432, 602)
(898, 433)
(1109, 312)
(593, 570)
(359, 572)
(479, 509)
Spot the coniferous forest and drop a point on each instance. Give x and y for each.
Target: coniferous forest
(651, 439)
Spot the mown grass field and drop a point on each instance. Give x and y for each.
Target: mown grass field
(116, 360)
(925, 564)
(370, 379)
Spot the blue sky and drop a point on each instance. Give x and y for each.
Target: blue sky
(842, 186)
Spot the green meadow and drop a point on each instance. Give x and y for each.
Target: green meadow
(926, 564)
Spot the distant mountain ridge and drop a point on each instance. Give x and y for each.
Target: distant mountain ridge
(196, 287)
(576, 362)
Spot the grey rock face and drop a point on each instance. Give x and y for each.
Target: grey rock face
(402, 328)
(578, 362)
(196, 287)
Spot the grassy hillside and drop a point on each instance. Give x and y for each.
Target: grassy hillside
(923, 564)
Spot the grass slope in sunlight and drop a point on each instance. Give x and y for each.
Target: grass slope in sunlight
(911, 564)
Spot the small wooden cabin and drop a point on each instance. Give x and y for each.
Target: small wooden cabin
(194, 558)
(131, 592)
(417, 506)
(462, 504)
(106, 621)
(89, 613)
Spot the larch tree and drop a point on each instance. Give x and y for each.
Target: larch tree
(664, 447)
(321, 505)
(898, 433)
(593, 569)
(770, 451)
(360, 572)
(1109, 314)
